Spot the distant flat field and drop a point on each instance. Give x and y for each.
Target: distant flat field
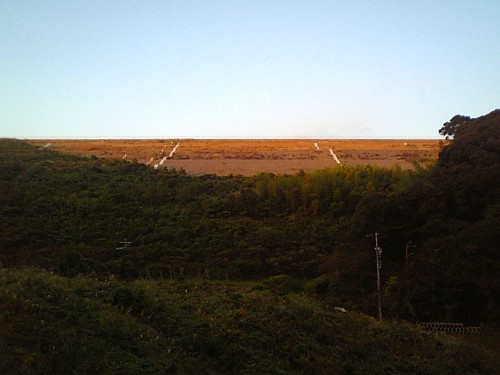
(250, 157)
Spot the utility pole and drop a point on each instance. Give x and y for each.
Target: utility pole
(409, 245)
(378, 257)
(125, 244)
(407, 297)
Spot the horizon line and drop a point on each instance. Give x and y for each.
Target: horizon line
(224, 138)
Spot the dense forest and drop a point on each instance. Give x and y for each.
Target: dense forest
(127, 231)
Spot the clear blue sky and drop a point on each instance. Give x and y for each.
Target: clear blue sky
(249, 69)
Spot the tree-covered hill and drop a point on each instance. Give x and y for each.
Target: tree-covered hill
(458, 223)
(456, 218)
(452, 218)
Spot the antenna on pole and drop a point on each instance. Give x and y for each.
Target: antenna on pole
(125, 244)
(378, 258)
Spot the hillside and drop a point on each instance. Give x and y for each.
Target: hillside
(81, 325)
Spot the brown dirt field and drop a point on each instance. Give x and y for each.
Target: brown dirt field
(250, 157)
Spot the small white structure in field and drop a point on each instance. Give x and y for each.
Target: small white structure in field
(316, 145)
(335, 157)
(173, 150)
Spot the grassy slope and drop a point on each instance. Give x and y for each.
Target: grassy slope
(52, 324)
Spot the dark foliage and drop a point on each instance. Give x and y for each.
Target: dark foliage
(452, 218)
(68, 215)
(56, 325)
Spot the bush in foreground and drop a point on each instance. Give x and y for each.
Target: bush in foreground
(53, 324)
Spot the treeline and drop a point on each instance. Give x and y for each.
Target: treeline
(69, 214)
(330, 193)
